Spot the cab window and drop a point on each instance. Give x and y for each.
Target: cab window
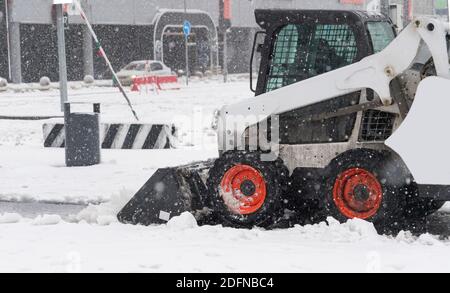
(302, 51)
(381, 34)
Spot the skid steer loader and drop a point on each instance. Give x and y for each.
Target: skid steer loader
(348, 121)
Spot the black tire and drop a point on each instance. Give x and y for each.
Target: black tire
(274, 175)
(378, 180)
(416, 207)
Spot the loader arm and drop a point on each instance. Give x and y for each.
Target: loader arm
(374, 72)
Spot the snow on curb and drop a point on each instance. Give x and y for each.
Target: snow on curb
(10, 218)
(47, 85)
(46, 220)
(106, 213)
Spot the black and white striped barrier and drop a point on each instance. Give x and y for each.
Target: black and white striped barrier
(119, 136)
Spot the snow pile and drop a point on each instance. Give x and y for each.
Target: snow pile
(333, 231)
(10, 218)
(183, 222)
(424, 239)
(428, 239)
(360, 227)
(46, 220)
(106, 213)
(405, 237)
(446, 208)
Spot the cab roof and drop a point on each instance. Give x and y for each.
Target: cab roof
(267, 18)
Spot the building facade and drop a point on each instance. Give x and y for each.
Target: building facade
(143, 29)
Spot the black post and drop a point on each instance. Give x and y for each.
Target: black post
(61, 54)
(406, 12)
(224, 26)
(97, 108)
(82, 137)
(186, 42)
(385, 7)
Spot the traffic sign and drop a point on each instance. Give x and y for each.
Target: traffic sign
(187, 28)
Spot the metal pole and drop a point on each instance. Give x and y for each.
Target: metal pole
(14, 48)
(212, 52)
(8, 43)
(448, 10)
(61, 55)
(217, 55)
(16, 55)
(225, 56)
(187, 60)
(88, 50)
(186, 43)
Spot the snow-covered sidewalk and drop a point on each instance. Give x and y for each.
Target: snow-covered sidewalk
(38, 174)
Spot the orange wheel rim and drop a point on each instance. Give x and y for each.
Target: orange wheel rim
(243, 190)
(357, 193)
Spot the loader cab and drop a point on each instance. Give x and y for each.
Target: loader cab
(302, 44)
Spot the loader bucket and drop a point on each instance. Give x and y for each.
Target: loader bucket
(169, 193)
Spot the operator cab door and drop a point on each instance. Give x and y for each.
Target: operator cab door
(303, 44)
(303, 50)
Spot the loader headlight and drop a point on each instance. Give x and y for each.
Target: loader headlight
(215, 121)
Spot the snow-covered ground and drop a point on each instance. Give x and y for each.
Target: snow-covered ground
(93, 241)
(180, 246)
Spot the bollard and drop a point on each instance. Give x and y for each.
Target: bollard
(82, 142)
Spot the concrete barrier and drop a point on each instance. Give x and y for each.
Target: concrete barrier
(3, 84)
(119, 136)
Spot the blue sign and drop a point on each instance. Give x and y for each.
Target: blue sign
(187, 28)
